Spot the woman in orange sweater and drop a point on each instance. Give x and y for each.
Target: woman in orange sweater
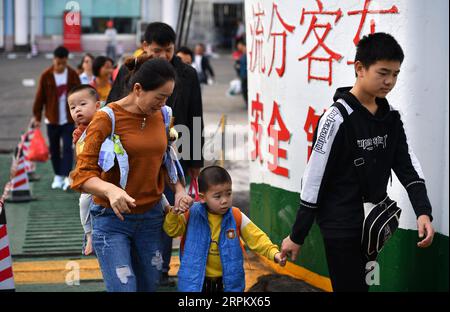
(127, 223)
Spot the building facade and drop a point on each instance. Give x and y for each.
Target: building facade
(40, 22)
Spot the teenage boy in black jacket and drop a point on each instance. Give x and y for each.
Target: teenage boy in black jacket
(331, 193)
(186, 103)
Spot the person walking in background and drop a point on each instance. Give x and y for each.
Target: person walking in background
(103, 70)
(51, 96)
(87, 75)
(186, 55)
(111, 40)
(242, 68)
(202, 65)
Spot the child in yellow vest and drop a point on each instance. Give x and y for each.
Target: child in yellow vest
(212, 228)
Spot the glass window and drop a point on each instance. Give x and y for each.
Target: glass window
(94, 15)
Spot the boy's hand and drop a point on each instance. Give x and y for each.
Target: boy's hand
(425, 228)
(279, 259)
(288, 247)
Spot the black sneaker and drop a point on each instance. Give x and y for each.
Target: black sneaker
(166, 280)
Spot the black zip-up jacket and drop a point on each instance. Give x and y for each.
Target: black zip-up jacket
(331, 191)
(185, 101)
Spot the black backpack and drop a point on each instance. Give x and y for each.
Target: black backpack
(381, 219)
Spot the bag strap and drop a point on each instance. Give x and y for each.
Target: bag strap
(193, 189)
(358, 161)
(167, 115)
(111, 115)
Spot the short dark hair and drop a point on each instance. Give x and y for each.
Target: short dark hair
(91, 89)
(212, 175)
(378, 47)
(187, 51)
(150, 73)
(98, 63)
(61, 52)
(160, 33)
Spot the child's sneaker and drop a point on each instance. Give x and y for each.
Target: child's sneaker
(166, 280)
(57, 182)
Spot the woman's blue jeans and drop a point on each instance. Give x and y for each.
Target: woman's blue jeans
(129, 251)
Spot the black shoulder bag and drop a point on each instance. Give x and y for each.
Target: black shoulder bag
(380, 219)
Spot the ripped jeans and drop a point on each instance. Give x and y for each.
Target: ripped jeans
(129, 251)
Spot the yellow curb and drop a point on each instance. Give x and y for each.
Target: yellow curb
(299, 272)
(55, 272)
(253, 267)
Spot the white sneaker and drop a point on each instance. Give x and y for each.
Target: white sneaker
(66, 184)
(57, 182)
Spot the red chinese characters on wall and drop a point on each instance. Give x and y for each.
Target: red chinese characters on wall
(256, 127)
(319, 28)
(256, 53)
(277, 34)
(281, 135)
(320, 31)
(277, 133)
(364, 12)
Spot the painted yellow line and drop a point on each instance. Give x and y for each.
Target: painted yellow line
(55, 272)
(299, 272)
(253, 266)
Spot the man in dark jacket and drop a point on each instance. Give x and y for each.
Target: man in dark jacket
(331, 193)
(186, 103)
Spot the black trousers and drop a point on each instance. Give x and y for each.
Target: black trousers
(244, 88)
(212, 285)
(61, 162)
(346, 264)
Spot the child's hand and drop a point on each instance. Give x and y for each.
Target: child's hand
(88, 249)
(278, 259)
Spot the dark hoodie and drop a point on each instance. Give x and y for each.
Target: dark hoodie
(331, 191)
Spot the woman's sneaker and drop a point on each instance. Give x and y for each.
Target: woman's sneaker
(66, 184)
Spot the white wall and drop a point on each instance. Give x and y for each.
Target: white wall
(421, 94)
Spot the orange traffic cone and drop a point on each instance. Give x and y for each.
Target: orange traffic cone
(20, 185)
(6, 272)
